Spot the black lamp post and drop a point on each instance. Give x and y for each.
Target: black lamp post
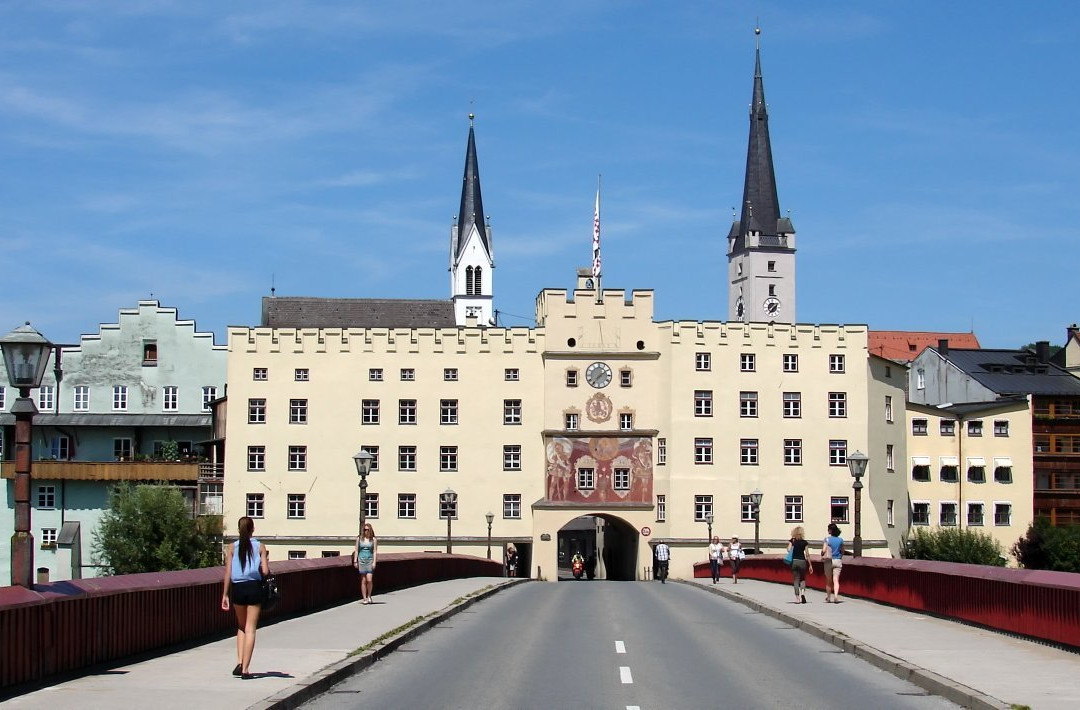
(755, 500)
(26, 353)
(490, 517)
(709, 521)
(857, 465)
(363, 468)
(449, 503)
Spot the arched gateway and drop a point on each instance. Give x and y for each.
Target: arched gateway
(621, 550)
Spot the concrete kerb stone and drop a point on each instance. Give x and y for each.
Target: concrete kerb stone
(321, 681)
(926, 679)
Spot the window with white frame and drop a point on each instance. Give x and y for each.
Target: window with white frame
(920, 512)
(622, 479)
(511, 374)
(791, 362)
(746, 509)
(702, 361)
(1002, 513)
(209, 394)
(626, 421)
(257, 410)
(836, 363)
(1003, 470)
(448, 458)
(838, 404)
(256, 458)
(748, 452)
(3, 397)
(890, 458)
(947, 427)
(702, 403)
(586, 479)
(406, 505)
(1001, 427)
(375, 374)
(920, 379)
(977, 470)
(408, 374)
(511, 411)
(46, 497)
(48, 537)
(748, 404)
(448, 412)
(838, 509)
(46, 398)
(511, 506)
(369, 411)
(170, 398)
(374, 451)
(703, 507)
(82, 398)
(571, 378)
(792, 405)
(450, 374)
(406, 458)
(297, 554)
(260, 374)
(793, 509)
(122, 449)
(918, 427)
(60, 447)
(838, 452)
(571, 421)
(661, 451)
(661, 508)
(890, 515)
(950, 471)
(975, 513)
(626, 378)
(297, 458)
(747, 362)
(298, 411)
(792, 452)
(302, 374)
(448, 508)
(512, 457)
(947, 514)
(406, 411)
(119, 398)
(703, 450)
(975, 427)
(297, 506)
(255, 505)
(888, 409)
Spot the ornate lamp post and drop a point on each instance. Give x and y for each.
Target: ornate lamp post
(708, 521)
(490, 517)
(448, 498)
(755, 500)
(26, 353)
(363, 467)
(857, 465)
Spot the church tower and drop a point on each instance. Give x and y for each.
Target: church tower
(761, 243)
(471, 261)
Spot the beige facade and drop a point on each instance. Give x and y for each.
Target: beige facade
(970, 466)
(597, 411)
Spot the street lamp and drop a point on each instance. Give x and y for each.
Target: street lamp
(449, 503)
(755, 500)
(26, 353)
(708, 521)
(857, 465)
(363, 461)
(490, 517)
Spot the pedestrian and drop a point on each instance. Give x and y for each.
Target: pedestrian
(663, 557)
(800, 563)
(363, 559)
(716, 558)
(736, 555)
(247, 562)
(511, 560)
(832, 552)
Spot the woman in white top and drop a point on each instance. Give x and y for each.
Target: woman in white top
(716, 558)
(735, 554)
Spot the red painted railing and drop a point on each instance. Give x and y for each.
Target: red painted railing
(64, 626)
(1034, 603)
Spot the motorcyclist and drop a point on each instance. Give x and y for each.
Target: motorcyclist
(577, 564)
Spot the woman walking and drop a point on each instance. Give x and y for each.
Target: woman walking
(716, 558)
(735, 554)
(363, 559)
(247, 562)
(800, 564)
(832, 552)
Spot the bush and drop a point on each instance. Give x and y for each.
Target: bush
(148, 528)
(1048, 547)
(954, 545)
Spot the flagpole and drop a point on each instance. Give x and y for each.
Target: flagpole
(597, 270)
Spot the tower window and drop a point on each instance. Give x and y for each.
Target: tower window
(772, 266)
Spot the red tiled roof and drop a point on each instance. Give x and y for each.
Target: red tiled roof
(907, 344)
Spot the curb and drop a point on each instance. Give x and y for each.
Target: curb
(321, 681)
(927, 680)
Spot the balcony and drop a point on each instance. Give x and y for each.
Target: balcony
(108, 470)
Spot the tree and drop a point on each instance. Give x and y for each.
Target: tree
(954, 545)
(1031, 346)
(148, 528)
(1048, 547)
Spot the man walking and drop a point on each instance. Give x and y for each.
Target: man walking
(663, 556)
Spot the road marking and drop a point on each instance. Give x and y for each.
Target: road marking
(620, 647)
(633, 707)
(624, 675)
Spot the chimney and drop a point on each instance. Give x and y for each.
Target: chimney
(943, 346)
(1073, 331)
(1042, 351)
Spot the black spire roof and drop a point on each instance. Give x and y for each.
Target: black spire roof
(472, 205)
(760, 205)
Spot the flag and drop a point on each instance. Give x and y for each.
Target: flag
(596, 238)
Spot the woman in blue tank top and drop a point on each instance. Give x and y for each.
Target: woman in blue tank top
(832, 553)
(246, 563)
(363, 559)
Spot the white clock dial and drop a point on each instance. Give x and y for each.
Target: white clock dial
(772, 307)
(598, 375)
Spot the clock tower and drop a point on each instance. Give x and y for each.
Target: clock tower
(761, 243)
(471, 262)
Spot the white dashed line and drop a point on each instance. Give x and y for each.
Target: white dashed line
(633, 707)
(620, 647)
(624, 675)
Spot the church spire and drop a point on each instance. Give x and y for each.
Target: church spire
(471, 263)
(472, 205)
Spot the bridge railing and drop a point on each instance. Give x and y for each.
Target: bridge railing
(65, 626)
(1034, 603)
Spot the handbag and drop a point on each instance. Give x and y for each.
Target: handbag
(789, 557)
(271, 592)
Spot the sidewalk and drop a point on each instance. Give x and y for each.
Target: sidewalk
(287, 655)
(968, 665)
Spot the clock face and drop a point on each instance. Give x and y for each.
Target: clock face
(772, 306)
(739, 308)
(588, 283)
(598, 375)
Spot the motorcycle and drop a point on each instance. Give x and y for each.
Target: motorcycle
(578, 568)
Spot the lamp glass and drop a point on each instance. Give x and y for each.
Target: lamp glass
(489, 517)
(756, 497)
(363, 462)
(26, 355)
(856, 462)
(709, 518)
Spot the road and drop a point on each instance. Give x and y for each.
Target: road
(620, 645)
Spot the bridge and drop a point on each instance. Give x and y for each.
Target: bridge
(117, 641)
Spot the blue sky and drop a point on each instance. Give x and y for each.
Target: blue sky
(196, 151)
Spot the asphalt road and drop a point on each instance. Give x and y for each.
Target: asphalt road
(620, 645)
